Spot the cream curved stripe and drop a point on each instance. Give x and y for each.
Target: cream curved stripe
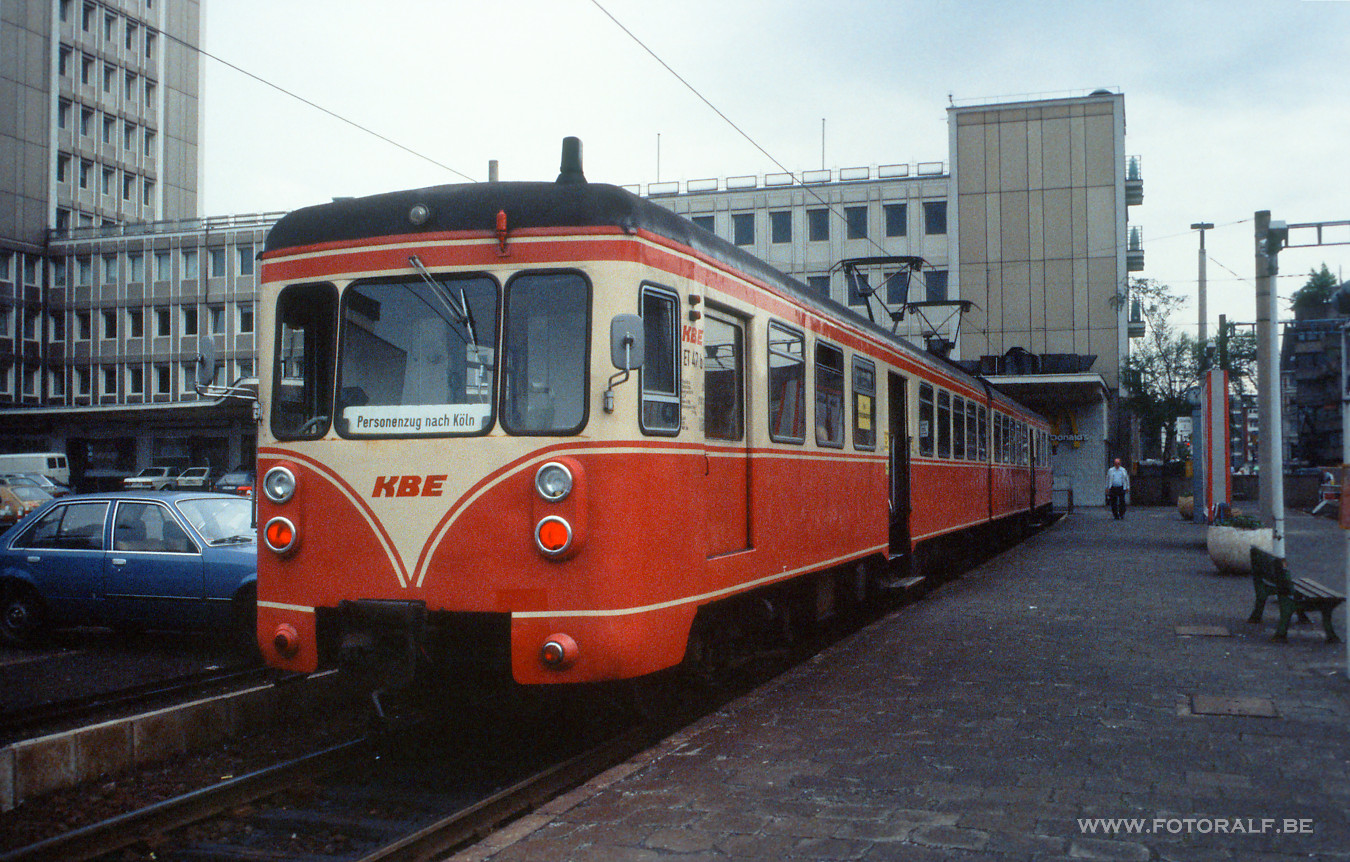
(396, 561)
(282, 606)
(529, 462)
(701, 597)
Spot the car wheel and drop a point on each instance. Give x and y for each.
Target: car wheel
(21, 616)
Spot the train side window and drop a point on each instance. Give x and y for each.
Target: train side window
(925, 419)
(958, 428)
(864, 404)
(829, 396)
(971, 448)
(302, 372)
(545, 350)
(787, 384)
(944, 424)
(998, 438)
(982, 424)
(660, 373)
(723, 380)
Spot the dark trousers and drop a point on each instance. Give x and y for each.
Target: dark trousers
(1117, 498)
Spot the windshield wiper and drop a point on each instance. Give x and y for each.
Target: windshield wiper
(461, 313)
(230, 540)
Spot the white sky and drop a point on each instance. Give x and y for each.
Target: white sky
(1232, 106)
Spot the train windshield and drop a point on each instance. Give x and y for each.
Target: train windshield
(417, 357)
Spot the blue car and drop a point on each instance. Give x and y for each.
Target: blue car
(132, 561)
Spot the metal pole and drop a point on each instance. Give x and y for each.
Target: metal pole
(1203, 226)
(1268, 367)
(1345, 463)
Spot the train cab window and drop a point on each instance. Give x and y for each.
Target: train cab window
(829, 396)
(723, 379)
(958, 427)
(944, 424)
(925, 419)
(660, 373)
(787, 384)
(982, 427)
(864, 404)
(545, 353)
(302, 372)
(418, 357)
(972, 452)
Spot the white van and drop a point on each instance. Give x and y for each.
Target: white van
(53, 465)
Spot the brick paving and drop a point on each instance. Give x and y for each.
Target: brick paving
(989, 720)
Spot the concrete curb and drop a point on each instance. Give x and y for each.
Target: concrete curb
(32, 767)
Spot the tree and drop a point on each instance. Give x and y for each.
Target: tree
(1160, 370)
(1319, 287)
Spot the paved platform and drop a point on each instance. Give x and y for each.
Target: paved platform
(1094, 693)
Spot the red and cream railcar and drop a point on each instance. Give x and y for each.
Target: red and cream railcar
(451, 466)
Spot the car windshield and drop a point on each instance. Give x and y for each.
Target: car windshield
(231, 478)
(219, 519)
(31, 493)
(154, 471)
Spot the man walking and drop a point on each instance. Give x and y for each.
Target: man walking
(1117, 486)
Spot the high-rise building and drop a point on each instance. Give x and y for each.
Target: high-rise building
(100, 112)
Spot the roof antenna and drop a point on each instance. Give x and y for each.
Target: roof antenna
(571, 162)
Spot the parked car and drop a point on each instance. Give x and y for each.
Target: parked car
(48, 484)
(151, 479)
(17, 500)
(130, 560)
(237, 481)
(194, 479)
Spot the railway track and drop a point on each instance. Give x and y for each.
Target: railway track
(340, 803)
(32, 720)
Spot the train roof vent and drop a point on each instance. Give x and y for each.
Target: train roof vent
(570, 169)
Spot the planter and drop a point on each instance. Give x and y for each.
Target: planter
(1186, 507)
(1231, 547)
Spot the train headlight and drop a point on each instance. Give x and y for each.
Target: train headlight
(553, 535)
(280, 535)
(553, 481)
(279, 484)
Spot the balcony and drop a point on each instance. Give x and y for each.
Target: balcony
(1134, 182)
(1134, 251)
(1136, 326)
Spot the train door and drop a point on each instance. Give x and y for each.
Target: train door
(899, 463)
(727, 455)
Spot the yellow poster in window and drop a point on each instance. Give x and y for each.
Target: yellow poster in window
(864, 412)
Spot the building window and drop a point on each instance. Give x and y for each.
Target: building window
(163, 381)
(131, 37)
(30, 324)
(85, 168)
(65, 11)
(87, 19)
(148, 140)
(82, 381)
(897, 219)
(128, 186)
(107, 185)
(86, 70)
(149, 46)
(5, 322)
(147, 193)
(245, 253)
(780, 226)
(58, 328)
(743, 228)
(936, 283)
(135, 380)
(109, 380)
(163, 321)
(84, 271)
(135, 323)
(5, 258)
(109, 269)
(859, 288)
(856, 218)
(30, 381)
(217, 262)
(109, 25)
(135, 267)
(83, 325)
(62, 168)
(56, 383)
(190, 320)
(189, 263)
(162, 266)
(818, 225)
(63, 114)
(108, 124)
(935, 217)
(897, 287)
(132, 88)
(149, 93)
(819, 284)
(129, 136)
(110, 323)
(217, 313)
(86, 121)
(109, 72)
(708, 223)
(245, 312)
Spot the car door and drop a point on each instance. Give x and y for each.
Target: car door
(62, 553)
(155, 577)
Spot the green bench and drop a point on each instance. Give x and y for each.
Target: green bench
(1295, 595)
